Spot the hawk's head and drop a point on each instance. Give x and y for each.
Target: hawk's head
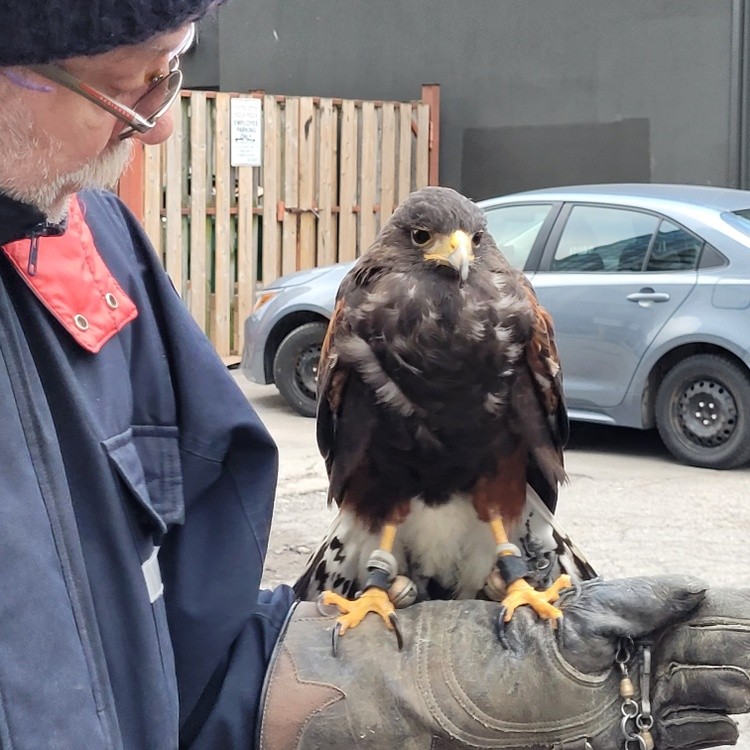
(439, 226)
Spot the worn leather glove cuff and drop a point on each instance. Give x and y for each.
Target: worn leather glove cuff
(453, 686)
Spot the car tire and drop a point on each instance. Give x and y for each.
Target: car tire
(703, 412)
(295, 367)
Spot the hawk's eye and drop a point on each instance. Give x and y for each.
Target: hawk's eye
(476, 240)
(420, 237)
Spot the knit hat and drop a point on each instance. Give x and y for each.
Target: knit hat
(39, 31)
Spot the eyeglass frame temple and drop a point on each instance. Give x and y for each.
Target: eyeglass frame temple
(124, 114)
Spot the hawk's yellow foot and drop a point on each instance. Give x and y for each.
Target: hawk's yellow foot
(520, 592)
(354, 610)
(373, 599)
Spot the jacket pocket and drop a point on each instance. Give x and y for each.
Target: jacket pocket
(147, 458)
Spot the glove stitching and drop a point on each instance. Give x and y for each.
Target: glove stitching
(674, 670)
(546, 732)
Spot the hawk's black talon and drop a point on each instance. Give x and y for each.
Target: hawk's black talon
(397, 630)
(335, 634)
(500, 626)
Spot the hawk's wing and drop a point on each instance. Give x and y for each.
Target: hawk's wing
(345, 417)
(544, 361)
(343, 428)
(537, 396)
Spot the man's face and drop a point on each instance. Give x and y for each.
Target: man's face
(54, 142)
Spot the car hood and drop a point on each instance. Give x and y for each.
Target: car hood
(300, 278)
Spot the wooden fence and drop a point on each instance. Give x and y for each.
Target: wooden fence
(332, 172)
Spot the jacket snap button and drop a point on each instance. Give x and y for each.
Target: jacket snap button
(111, 301)
(81, 322)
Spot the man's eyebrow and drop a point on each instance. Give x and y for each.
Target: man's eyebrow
(161, 49)
(182, 45)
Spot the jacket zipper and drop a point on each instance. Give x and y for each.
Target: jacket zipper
(43, 229)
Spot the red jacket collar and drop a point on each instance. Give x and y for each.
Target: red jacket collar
(71, 280)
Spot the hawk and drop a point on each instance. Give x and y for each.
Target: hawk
(442, 423)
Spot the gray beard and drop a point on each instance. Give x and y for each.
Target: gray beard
(50, 193)
(25, 159)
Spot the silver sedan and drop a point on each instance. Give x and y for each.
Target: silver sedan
(649, 288)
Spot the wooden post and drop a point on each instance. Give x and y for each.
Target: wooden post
(327, 184)
(271, 180)
(368, 176)
(174, 259)
(431, 96)
(422, 153)
(308, 137)
(290, 221)
(224, 292)
(348, 182)
(152, 196)
(199, 276)
(404, 151)
(388, 163)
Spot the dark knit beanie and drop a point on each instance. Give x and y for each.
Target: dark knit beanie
(39, 31)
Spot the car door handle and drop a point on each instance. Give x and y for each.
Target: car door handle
(648, 295)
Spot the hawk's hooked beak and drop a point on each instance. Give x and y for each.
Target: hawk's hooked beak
(454, 250)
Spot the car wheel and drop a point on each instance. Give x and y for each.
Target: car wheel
(703, 412)
(295, 367)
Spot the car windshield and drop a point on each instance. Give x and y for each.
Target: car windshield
(739, 220)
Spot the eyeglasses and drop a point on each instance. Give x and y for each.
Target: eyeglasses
(144, 114)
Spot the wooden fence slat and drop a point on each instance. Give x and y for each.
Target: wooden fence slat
(388, 163)
(152, 197)
(422, 172)
(222, 263)
(368, 176)
(198, 259)
(335, 207)
(290, 232)
(404, 152)
(348, 182)
(430, 95)
(246, 251)
(308, 133)
(173, 261)
(271, 155)
(326, 185)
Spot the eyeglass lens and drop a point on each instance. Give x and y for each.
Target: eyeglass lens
(157, 100)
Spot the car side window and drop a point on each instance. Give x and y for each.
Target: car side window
(515, 229)
(597, 238)
(674, 249)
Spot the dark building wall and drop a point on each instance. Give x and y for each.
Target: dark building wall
(534, 92)
(201, 65)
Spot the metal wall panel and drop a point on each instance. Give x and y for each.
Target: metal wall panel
(533, 93)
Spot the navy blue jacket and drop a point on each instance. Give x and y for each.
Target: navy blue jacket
(105, 457)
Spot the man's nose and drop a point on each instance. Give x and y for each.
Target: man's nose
(160, 132)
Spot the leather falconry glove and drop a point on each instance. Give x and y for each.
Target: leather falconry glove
(455, 686)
